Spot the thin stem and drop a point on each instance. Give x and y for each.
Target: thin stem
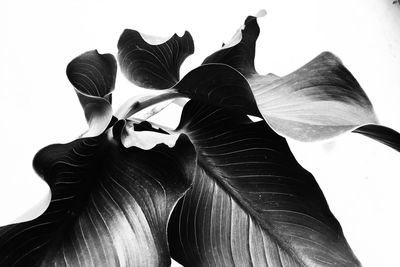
(157, 109)
(138, 106)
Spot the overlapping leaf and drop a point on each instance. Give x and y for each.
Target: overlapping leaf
(251, 203)
(93, 76)
(153, 65)
(110, 205)
(318, 101)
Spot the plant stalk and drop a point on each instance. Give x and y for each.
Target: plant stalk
(138, 106)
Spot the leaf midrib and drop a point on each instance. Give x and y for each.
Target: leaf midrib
(232, 193)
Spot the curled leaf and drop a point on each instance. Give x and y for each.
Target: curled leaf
(109, 207)
(320, 100)
(93, 76)
(153, 65)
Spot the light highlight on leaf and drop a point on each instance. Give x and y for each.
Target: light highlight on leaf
(318, 101)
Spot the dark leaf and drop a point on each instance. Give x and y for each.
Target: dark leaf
(93, 76)
(240, 51)
(219, 85)
(153, 65)
(251, 203)
(381, 134)
(110, 205)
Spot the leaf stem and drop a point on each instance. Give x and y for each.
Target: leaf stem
(138, 106)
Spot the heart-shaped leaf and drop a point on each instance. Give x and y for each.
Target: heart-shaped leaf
(110, 205)
(153, 65)
(93, 76)
(251, 203)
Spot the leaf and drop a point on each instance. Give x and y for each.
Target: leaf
(381, 134)
(239, 53)
(153, 66)
(93, 76)
(251, 203)
(110, 205)
(219, 85)
(320, 100)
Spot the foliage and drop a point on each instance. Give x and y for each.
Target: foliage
(220, 189)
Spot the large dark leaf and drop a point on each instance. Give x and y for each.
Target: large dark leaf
(251, 203)
(110, 205)
(93, 76)
(153, 65)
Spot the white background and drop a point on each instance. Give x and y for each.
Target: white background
(360, 178)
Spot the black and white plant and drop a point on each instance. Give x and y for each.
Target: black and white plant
(220, 189)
